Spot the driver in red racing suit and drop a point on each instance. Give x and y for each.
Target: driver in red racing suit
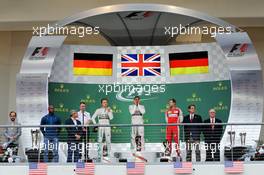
(173, 115)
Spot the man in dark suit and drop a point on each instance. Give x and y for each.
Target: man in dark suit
(74, 137)
(192, 133)
(212, 136)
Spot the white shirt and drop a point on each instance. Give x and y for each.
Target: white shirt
(75, 122)
(191, 117)
(86, 117)
(212, 120)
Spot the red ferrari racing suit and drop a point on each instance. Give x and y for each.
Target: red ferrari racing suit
(174, 115)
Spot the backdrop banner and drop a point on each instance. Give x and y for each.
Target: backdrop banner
(205, 95)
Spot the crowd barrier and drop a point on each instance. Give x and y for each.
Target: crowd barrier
(195, 142)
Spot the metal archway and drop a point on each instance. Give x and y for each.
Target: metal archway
(245, 69)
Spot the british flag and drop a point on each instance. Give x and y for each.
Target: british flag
(140, 65)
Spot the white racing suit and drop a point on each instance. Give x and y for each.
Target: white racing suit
(137, 112)
(104, 116)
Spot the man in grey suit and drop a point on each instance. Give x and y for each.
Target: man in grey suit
(12, 134)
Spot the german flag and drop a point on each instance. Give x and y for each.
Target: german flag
(92, 64)
(188, 63)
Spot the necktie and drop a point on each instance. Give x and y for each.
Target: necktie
(212, 123)
(83, 118)
(191, 118)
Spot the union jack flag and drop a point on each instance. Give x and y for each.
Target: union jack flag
(140, 65)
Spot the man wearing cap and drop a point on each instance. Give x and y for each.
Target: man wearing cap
(212, 136)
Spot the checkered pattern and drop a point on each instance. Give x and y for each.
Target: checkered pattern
(62, 67)
(60, 70)
(218, 69)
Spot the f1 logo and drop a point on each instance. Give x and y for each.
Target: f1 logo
(40, 52)
(238, 50)
(138, 15)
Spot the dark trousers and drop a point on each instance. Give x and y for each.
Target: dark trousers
(73, 152)
(190, 146)
(85, 140)
(212, 151)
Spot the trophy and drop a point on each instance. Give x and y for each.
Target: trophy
(138, 143)
(232, 135)
(35, 134)
(243, 138)
(167, 150)
(104, 147)
(105, 153)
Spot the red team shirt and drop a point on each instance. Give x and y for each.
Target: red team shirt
(173, 115)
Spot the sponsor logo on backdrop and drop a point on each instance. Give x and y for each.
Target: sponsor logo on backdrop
(238, 50)
(221, 106)
(88, 99)
(194, 98)
(220, 87)
(162, 130)
(61, 89)
(116, 130)
(61, 108)
(126, 92)
(115, 109)
(163, 110)
(146, 120)
(39, 53)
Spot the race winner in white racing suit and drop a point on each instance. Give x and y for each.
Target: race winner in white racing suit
(137, 133)
(104, 115)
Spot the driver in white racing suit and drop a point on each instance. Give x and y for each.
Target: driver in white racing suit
(137, 111)
(104, 115)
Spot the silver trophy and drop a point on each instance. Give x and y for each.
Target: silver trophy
(138, 143)
(35, 134)
(167, 150)
(243, 138)
(232, 135)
